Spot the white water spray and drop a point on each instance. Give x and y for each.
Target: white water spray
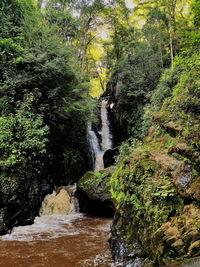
(105, 130)
(97, 149)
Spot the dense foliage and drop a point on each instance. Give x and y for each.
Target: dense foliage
(44, 95)
(145, 59)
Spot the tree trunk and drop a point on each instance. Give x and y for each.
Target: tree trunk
(171, 48)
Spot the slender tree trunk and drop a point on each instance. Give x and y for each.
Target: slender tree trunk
(101, 82)
(171, 48)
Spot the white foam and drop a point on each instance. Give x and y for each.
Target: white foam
(45, 228)
(99, 259)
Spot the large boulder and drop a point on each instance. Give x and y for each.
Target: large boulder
(94, 192)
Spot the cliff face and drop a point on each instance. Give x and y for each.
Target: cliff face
(20, 199)
(157, 192)
(156, 183)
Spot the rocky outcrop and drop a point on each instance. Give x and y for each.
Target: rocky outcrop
(94, 192)
(20, 200)
(156, 189)
(156, 184)
(181, 233)
(61, 201)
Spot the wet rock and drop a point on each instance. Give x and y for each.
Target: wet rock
(181, 148)
(59, 202)
(187, 184)
(137, 263)
(167, 162)
(109, 157)
(97, 185)
(183, 177)
(20, 200)
(3, 228)
(185, 181)
(121, 250)
(117, 242)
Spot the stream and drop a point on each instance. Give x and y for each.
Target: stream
(61, 236)
(58, 240)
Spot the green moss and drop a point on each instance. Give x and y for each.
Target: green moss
(145, 194)
(94, 178)
(97, 184)
(139, 188)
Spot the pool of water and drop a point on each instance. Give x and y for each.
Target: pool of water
(60, 241)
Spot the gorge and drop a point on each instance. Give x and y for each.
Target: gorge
(61, 235)
(99, 133)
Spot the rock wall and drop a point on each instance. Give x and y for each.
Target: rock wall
(157, 190)
(154, 189)
(20, 200)
(156, 184)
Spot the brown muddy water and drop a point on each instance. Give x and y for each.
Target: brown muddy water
(58, 241)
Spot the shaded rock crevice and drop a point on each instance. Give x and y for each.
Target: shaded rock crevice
(94, 193)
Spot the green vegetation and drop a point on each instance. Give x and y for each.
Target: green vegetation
(94, 178)
(44, 95)
(149, 67)
(156, 181)
(96, 185)
(44, 109)
(155, 85)
(144, 56)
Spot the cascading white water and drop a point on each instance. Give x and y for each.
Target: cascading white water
(106, 137)
(44, 2)
(97, 149)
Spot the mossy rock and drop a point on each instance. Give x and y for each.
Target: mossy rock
(150, 196)
(96, 185)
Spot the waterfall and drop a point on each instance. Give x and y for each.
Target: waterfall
(105, 130)
(44, 2)
(99, 148)
(97, 159)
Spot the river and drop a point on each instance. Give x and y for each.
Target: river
(58, 241)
